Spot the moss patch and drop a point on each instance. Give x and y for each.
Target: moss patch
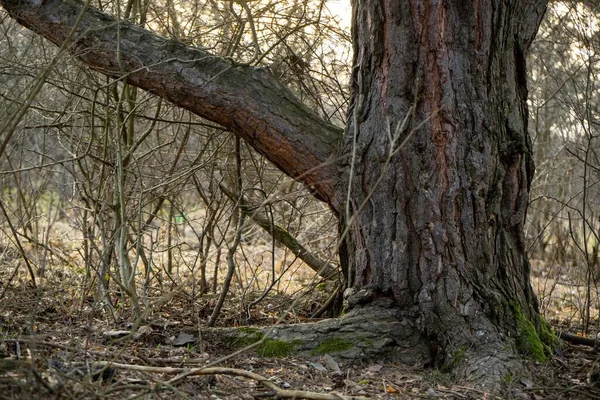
(547, 334)
(276, 348)
(333, 345)
(459, 355)
(529, 342)
(245, 339)
(248, 330)
(268, 348)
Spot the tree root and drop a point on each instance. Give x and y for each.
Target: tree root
(377, 331)
(489, 368)
(380, 332)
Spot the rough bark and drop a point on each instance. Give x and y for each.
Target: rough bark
(442, 233)
(246, 100)
(433, 227)
(392, 336)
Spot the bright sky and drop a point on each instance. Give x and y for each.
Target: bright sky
(342, 9)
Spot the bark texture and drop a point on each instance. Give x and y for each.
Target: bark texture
(441, 231)
(436, 160)
(392, 336)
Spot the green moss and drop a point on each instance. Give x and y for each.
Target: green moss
(547, 334)
(333, 345)
(458, 355)
(248, 329)
(276, 348)
(246, 339)
(268, 348)
(529, 342)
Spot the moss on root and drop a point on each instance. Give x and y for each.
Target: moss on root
(248, 330)
(246, 338)
(459, 355)
(530, 341)
(333, 345)
(276, 348)
(271, 348)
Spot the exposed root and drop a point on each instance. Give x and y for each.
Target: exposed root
(489, 369)
(575, 339)
(377, 331)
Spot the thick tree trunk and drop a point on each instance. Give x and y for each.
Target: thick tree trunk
(436, 223)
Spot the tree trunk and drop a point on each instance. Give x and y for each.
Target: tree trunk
(435, 163)
(436, 206)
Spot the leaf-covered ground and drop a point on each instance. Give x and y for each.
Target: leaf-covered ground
(51, 341)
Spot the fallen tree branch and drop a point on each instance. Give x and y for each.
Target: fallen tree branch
(321, 267)
(575, 339)
(277, 391)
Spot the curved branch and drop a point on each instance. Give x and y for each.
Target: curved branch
(247, 100)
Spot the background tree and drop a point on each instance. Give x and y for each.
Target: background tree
(563, 220)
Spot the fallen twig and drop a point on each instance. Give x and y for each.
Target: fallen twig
(278, 392)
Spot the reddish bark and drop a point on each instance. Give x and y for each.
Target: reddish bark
(442, 233)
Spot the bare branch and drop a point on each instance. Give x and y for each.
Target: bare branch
(247, 100)
(322, 267)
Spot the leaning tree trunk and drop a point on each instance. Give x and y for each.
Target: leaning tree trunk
(440, 164)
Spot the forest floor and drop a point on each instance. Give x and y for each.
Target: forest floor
(52, 336)
(49, 341)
